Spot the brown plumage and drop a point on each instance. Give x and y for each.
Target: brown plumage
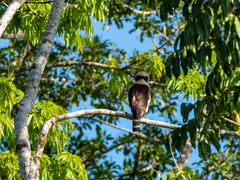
(139, 98)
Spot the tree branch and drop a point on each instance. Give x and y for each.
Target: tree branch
(149, 166)
(79, 63)
(152, 83)
(230, 133)
(19, 35)
(229, 120)
(39, 2)
(29, 167)
(140, 135)
(9, 13)
(70, 63)
(48, 124)
(174, 160)
(185, 154)
(34, 12)
(143, 12)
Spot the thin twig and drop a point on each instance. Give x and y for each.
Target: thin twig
(231, 133)
(140, 135)
(34, 12)
(5, 4)
(19, 35)
(149, 166)
(175, 161)
(155, 44)
(185, 153)
(229, 120)
(39, 2)
(70, 63)
(51, 79)
(143, 12)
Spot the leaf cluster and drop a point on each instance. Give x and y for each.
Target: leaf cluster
(62, 166)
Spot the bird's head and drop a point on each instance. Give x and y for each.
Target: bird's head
(142, 75)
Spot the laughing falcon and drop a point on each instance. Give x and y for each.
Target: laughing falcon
(139, 98)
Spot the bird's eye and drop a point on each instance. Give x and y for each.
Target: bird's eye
(141, 77)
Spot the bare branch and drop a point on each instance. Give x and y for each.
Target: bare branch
(19, 35)
(229, 120)
(152, 83)
(143, 12)
(51, 79)
(158, 123)
(185, 154)
(47, 126)
(84, 63)
(174, 160)
(140, 135)
(34, 12)
(231, 133)
(39, 2)
(70, 63)
(9, 13)
(149, 166)
(80, 63)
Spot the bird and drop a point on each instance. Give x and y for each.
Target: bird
(139, 98)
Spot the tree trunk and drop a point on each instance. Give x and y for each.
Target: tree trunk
(29, 166)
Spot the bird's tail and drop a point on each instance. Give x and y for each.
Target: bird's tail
(136, 125)
(136, 122)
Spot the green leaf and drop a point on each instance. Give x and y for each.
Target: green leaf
(237, 25)
(164, 10)
(169, 66)
(186, 8)
(200, 28)
(176, 66)
(192, 128)
(214, 139)
(184, 65)
(186, 108)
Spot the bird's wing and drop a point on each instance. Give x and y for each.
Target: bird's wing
(139, 97)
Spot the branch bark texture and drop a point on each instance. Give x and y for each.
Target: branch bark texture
(143, 12)
(29, 167)
(185, 154)
(71, 63)
(47, 126)
(9, 13)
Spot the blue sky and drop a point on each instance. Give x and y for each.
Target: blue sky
(122, 38)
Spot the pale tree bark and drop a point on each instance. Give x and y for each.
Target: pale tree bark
(185, 154)
(9, 13)
(29, 166)
(19, 35)
(49, 124)
(143, 12)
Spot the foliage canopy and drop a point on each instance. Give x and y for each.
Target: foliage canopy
(194, 67)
